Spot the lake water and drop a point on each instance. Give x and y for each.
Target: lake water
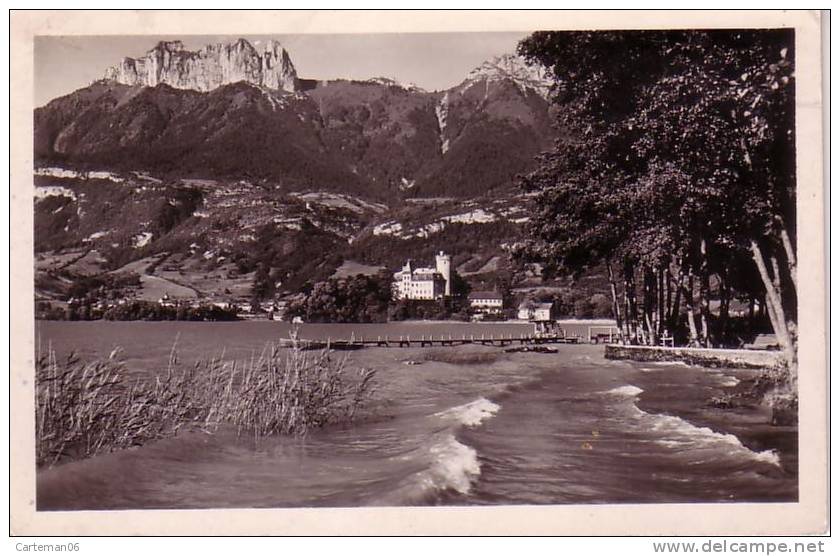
(560, 428)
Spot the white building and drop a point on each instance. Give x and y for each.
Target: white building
(486, 302)
(424, 282)
(537, 312)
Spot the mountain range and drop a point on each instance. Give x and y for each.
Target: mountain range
(231, 110)
(224, 158)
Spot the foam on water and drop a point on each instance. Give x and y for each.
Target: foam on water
(450, 466)
(729, 381)
(670, 363)
(454, 466)
(628, 390)
(471, 414)
(680, 434)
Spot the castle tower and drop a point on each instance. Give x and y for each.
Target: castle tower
(442, 265)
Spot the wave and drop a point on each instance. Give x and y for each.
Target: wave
(454, 466)
(449, 468)
(471, 414)
(729, 381)
(628, 390)
(681, 434)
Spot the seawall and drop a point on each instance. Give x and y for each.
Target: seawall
(734, 358)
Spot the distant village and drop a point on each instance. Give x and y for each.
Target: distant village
(412, 283)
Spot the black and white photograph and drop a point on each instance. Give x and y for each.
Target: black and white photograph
(557, 266)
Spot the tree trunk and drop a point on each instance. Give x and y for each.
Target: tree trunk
(774, 305)
(725, 297)
(651, 337)
(626, 294)
(630, 296)
(689, 303)
(705, 311)
(751, 314)
(667, 301)
(647, 305)
(660, 301)
(774, 317)
(678, 290)
(790, 253)
(615, 308)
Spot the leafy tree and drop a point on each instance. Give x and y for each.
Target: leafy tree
(356, 299)
(675, 161)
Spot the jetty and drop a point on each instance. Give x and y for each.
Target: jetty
(443, 340)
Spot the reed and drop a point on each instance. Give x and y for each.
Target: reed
(84, 409)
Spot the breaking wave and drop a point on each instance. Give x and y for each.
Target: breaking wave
(677, 433)
(454, 466)
(450, 465)
(471, 414)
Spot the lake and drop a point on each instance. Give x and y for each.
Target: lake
(527, 428)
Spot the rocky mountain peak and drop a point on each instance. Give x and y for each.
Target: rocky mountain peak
(169, 46)
(211, 67)
(513, 68)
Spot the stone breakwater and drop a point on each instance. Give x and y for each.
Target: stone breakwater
(732, 358)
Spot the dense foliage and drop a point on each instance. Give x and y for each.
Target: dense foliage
(675, 167)
(294, 259)
(133, 310)
(356, 299)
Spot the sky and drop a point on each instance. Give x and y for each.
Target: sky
(433, 61)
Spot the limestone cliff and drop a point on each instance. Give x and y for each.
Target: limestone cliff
(212, 66)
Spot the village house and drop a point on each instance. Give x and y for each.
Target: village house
(486, 302)
(424, 282)
(542, 315)
(535, 312)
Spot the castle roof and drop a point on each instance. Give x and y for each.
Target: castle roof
(484, 295)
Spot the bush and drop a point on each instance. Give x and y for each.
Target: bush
(84, 409)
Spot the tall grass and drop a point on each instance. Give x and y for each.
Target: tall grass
(84, 409)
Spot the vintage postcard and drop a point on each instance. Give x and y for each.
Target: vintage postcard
(418, 273)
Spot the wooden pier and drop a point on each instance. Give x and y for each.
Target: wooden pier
(407, 341)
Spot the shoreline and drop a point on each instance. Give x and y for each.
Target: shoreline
(702, 357)
(748, 422)
(746, 415)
